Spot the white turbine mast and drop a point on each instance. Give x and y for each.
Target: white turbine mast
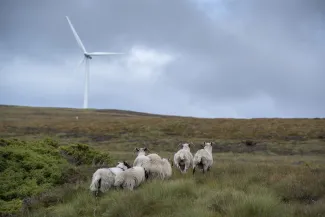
(87, 57)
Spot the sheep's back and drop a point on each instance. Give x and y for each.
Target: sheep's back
(140, 160)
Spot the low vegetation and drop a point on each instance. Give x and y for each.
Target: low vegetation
(31, 168)
(262, 167)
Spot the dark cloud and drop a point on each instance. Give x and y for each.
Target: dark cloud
(257, 59)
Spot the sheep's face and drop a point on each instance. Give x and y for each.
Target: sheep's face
(186, 146)
(141, 151)
(123, 165)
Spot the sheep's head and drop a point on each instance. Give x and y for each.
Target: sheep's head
(123, 165)
(141, 151)
(207, 146)
(186, 146)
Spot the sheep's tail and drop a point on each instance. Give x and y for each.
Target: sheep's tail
(95, 183)
(182, 156)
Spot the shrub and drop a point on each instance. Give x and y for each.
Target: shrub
(31, 168)
(27, 168)
(83, 154)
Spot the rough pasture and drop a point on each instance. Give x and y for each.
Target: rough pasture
(262, 167)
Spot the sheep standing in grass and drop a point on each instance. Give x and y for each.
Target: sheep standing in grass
(183, 158)
(158, 167)
(203, 158)
(167, 168)
(103, 179)
(141, 156)
(131, 178)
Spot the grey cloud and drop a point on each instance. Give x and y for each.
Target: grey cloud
(264, 58)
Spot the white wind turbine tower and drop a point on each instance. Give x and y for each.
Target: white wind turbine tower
(87, 57)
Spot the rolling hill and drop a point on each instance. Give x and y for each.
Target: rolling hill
(262, 167)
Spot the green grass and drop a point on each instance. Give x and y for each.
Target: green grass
(281, 174)
(229, 190)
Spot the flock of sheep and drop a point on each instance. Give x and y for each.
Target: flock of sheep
(151, 166)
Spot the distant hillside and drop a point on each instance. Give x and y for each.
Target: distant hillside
(107, 125)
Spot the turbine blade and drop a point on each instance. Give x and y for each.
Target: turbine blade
(102, 53)
(82, 60)
(76, 36)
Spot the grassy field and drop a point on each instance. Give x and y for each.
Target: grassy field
(281, 174)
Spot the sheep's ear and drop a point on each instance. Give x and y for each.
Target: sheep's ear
(180, 145)
(126, 164)
(202, 145)
(146, 149)
(136, 149)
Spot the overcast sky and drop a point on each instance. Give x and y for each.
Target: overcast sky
(203, 58)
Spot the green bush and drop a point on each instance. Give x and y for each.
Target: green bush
(80, 154)
(28, 169)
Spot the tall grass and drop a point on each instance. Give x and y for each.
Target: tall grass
(230, 189)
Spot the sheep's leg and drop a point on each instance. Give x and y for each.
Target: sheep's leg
(208, 168)
(205, 168)
(187, 166)
(193, 170)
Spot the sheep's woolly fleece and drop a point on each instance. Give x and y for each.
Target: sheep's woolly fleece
(157, 167)
(130, 178)
(203, 158)
(183, 158)
(141, 156)
(103, 179)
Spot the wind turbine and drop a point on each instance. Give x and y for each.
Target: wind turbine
(87, 57)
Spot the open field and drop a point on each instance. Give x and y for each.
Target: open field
(283, 174)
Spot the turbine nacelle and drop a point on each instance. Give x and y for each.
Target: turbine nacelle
(87, 56)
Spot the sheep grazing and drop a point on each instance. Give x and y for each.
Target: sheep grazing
(183, 158)
(203, 158)
(104, 178)
(131, 178)
(141, 156)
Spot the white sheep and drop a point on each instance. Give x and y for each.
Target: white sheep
(131, 178)
(154, 156)
(183, 158)
(158, 167)
(167, 168)
(203, 158)
(103, 179)
(141, 156)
